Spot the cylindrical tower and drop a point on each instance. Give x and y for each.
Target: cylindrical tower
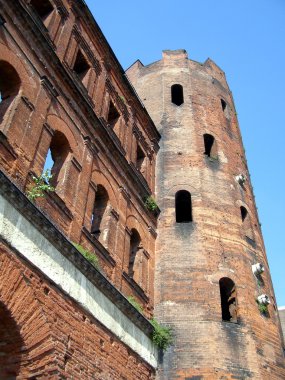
(210, 285)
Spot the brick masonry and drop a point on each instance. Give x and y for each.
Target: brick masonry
(192, 257)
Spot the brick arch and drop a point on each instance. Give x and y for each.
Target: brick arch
(240, 203)
(58, 124)
(28, 83)
(100, 179)
(133, 223)
(19, 298)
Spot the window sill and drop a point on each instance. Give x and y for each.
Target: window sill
(141, 293)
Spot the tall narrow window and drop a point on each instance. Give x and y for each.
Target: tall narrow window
(140, 160)
(243, 213)
(183, 206)
(247, 226)
(113, 115)
(225, 108)
(57, 158)
(228, 299)
(223, 104)
(177, 94)
(134, 259)
(210, 146)
(9, 87)
(44, 9)
(99, 216)
(81, 67)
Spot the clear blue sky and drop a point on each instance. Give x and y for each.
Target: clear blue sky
(246, 38)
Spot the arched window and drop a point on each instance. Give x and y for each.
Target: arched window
(247, 226)
(113, 115)
(9, 87)
(183, 207)
(225, 108)
(177, 94)
(11, 346)
(210, 146)
(140, 160)
(44, 9)
(100, 211)
(134, 259)
(228, 299)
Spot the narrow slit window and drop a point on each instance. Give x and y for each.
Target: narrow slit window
(223, 104)
(81, 66)
(183, 207)
(177, 94)
(44, 9)
(9, 87)
(210, 146)
(228, 300)
(243, 212)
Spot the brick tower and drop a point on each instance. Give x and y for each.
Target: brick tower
(212, 281)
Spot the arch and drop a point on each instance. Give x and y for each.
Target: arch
(132, 223)
(246, 222)
(99, 178)
(59, 152)
(177, 96)
(228, 299)
(59, 125)
(183, 207)
(10, 84)
(134, 253)
(100, 211)
(12, 345)
(23, 306)
(210, 146)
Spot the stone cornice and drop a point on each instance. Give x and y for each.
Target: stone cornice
(41, 222)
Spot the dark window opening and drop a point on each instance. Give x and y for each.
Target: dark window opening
(224, 105)
(113, 115)
(183, 207)
(135, 246)
(56, 158)
(210, 146)
(9, 87)
(44, 9)
(141, 159)
(243, 212)
(81, 66)
(177, 94)
(228, 300)
(99, 216)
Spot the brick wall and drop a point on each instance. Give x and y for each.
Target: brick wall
(192, 258)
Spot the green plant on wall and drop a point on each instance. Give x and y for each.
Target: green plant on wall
(91, 257)
(162, 336)
(151, 204)
(41, 186)
(135, 304)
(263, 308)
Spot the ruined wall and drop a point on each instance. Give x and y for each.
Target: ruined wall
(222, 241)
(64, 96)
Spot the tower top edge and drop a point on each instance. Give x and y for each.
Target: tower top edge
(178, 55)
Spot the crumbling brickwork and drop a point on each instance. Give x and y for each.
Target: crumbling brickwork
(208, 231)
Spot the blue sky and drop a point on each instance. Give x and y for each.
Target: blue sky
(246, 39)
